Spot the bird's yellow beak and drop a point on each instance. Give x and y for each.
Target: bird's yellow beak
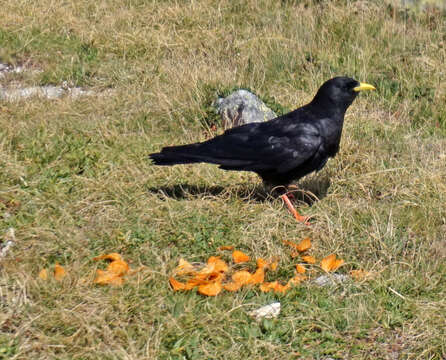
(364, 86)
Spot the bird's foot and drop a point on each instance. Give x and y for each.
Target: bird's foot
(294, 212)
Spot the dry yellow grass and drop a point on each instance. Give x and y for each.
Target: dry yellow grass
(79, 169)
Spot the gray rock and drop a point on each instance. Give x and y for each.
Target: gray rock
(18, 92)
(332, 279)
(242, 107)
(49, 92)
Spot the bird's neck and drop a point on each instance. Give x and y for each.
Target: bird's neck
(325, 108)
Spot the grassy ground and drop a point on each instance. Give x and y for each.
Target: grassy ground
(76, 181)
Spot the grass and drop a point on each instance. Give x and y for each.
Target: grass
(76, 182)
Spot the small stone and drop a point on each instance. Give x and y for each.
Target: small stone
(268, 311)
(242, 107)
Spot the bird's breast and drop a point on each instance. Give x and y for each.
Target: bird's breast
(331, 132)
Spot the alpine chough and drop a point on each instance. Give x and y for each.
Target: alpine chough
(280, 150)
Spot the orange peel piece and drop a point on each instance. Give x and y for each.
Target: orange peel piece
(309, 259)
(239, 257)
(330, 263)
(300, 269)
(279, 288)
(108, 278)
(242, 277)
(304, 245)
(211, 289)
(273, 266)
(184, 267)
(115, 270)
(232, 286)
(265, 287)
(275, 286)
(258, 277)
(290, 243)
(338, 263)
(118, 267)
(205, 271)
(191, 283)
(43, 274)
(178, 285)
(296, 280)
(262, 263)
(219, 264)
(227, 247)
(59, 272)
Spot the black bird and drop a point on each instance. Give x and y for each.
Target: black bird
(282, 149)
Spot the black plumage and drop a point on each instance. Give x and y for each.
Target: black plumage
(280, 150)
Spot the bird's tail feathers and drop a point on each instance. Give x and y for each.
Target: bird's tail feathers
(196, 153)
(185, 154)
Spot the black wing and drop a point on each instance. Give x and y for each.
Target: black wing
(263, 147)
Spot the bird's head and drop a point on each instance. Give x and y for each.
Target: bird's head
(339, 92)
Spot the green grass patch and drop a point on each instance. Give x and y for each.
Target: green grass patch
(76, 181)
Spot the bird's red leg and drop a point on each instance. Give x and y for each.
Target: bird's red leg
(293, 211)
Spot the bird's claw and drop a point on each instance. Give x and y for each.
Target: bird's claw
(301, 218)
(297, 216)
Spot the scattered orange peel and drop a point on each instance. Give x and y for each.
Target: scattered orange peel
(210, 279)
(216, 275)
(113, 275)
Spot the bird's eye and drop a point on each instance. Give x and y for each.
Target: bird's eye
(352, 84)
